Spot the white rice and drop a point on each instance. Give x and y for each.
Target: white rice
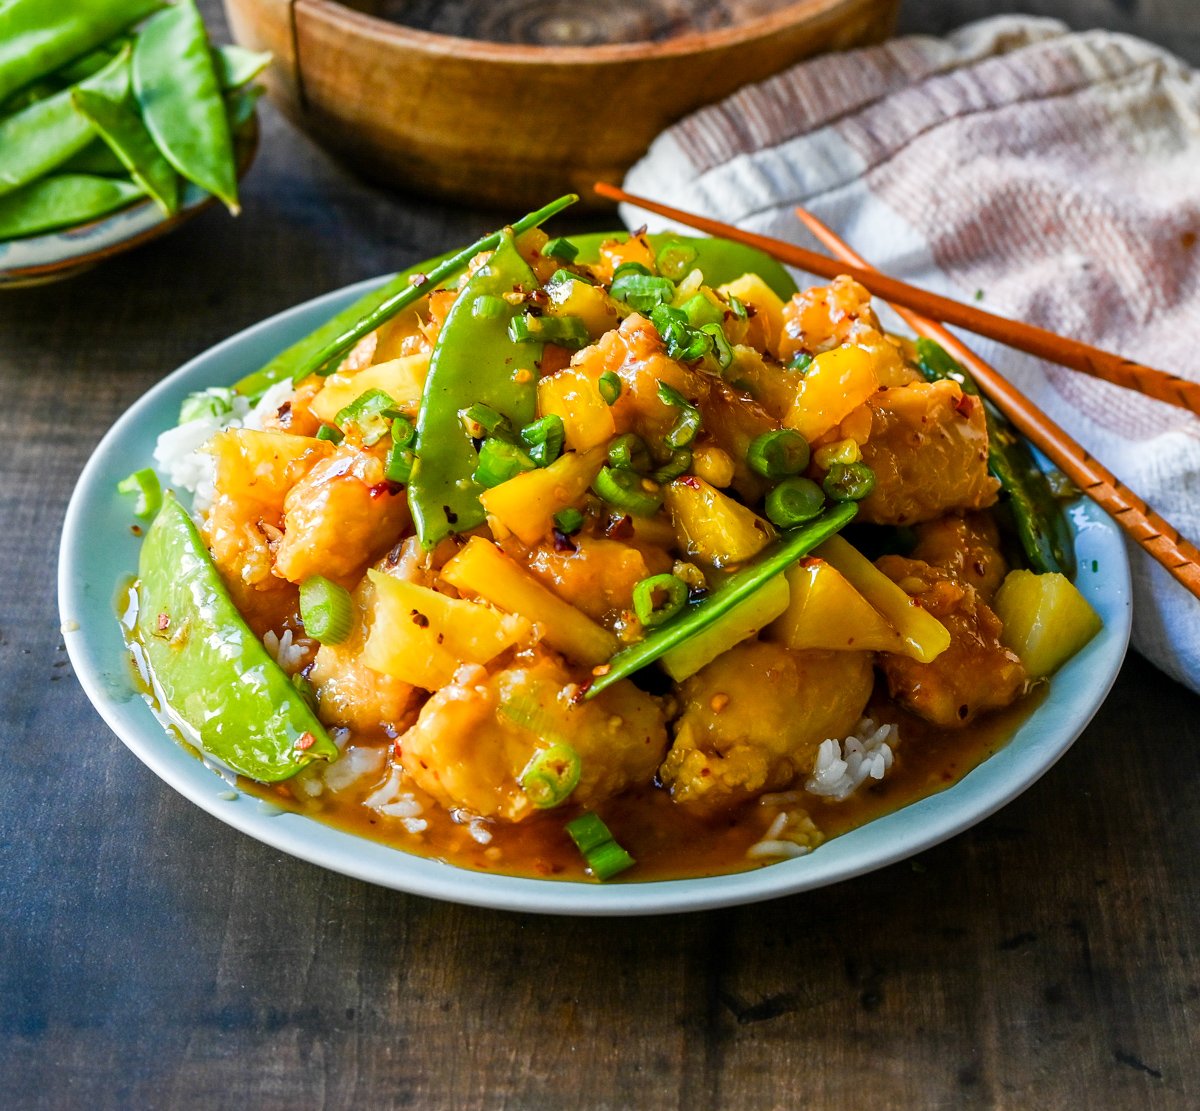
(178, 455)
(289, 653)
(356, 762)
(842, 766)
(791, 833)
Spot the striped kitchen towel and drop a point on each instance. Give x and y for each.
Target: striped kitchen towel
(1054, 176)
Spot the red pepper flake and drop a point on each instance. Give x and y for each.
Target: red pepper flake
(284, 414)
(420, 620)
(581, 692)
(620, 529)
(164, 622)
(690, 481)
(305, 741)
(136, 530)
(965, 405)
(418, 279)
(451, 516)
(393, 557)
(562, 542)
(811, 561)
(385, 489)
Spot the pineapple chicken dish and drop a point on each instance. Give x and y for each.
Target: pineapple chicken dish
(602, 556)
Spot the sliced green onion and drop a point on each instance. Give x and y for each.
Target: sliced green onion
(849, 481)
(722, 352)
(800, 363)
(649, 610)
(737, 308)
(675, 260)
(609, 386)
(145, 484)
(216, 401)
(794, 501)
(628, 492)
(365, 413)
(679, 463)
(561, 276)
(499, 461)
(325, 609)
(550, 776)
(488, 307)
(544, 438)
(629, 452)
(566, 331)
(778, 454)
(689, 422)
(641, 291)
(399, 465)
(603, 856)
(403, 430)
(630, 268)
(329, 433)
(701, 310)
(568, 521)
(562, 249)
(481, 420)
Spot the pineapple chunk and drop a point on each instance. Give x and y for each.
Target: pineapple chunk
(712, 526)
(1046, 620)
(598, 311)
(827, 612)
(744, 620)
(257, 468)
(925, 637)
(422, 637)
(481, 568)
(836, 384)
(574, 395)
(751, 290)
(402, 379)
(526, 504)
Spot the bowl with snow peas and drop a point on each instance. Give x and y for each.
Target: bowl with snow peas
(119, 119)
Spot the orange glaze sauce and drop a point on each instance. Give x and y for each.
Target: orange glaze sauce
(667, 841)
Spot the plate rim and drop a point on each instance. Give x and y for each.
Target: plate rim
(1038, 744)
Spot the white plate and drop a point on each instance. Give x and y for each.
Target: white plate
(99, 557)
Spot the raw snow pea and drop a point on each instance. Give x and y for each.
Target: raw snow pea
(177, 91)
(239, 105)
(773, 560)
(96, 158)
(41, 137)
(38, 37)
(1038, 518)
(211, 672)
(62, 201)
(475, 360)
(122, 129)
(236, 66)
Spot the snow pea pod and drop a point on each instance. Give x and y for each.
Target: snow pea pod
(719, 260)
(475, 360)
(236, 66)
(38, 37)
(790, 547)
(210, 672)
(41, 137)
(177, 91)
(122, 129)
(62, 201)
(1040, 524)
(96, 158)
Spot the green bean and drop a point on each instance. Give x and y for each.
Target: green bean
(43, 136)
(235, 66)
(62, 201)
(38, 37)
(122, 129)
(1041, 526)
(177, 91)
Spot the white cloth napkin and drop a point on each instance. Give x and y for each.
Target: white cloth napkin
(1054, 176)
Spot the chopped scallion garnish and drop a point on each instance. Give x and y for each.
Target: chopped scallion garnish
(481, 420)
(561, 249)
(629, 452)
(778, 454)
(722, 352)
(366, 414)
(659, 598)
(325, 609)
(551, 775)
(641, 291)
(145, 484)
(849, 481)
(609, 386)
(215, 402)
(603, 856)
(488, 307)
(675, 260)
(628, 491)
(544, 439)
(794, 501)
(566, 331)
(568, 521)
(800, 363)
(499, 461)
(399, 465)
(688, 424)
(330, 434)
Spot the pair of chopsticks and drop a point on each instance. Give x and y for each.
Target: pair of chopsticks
(921, 310)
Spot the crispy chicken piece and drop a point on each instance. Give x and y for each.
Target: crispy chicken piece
(975, 674)
(476, 736)
(754, 718)
(598, 577)
(967, 546)
(339, 517)
(928, 448)
(823, 317)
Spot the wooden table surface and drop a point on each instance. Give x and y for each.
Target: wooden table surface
(152, 957)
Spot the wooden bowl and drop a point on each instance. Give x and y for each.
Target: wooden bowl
(506, 124)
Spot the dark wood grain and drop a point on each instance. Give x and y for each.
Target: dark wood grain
(150, 957)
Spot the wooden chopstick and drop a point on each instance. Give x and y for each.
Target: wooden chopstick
(1157, 536)
(1014, 333)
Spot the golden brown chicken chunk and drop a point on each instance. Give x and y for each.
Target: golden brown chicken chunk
(967, 546)
(753, 719)
(975, 674)
(928, 448)
(476, 736)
